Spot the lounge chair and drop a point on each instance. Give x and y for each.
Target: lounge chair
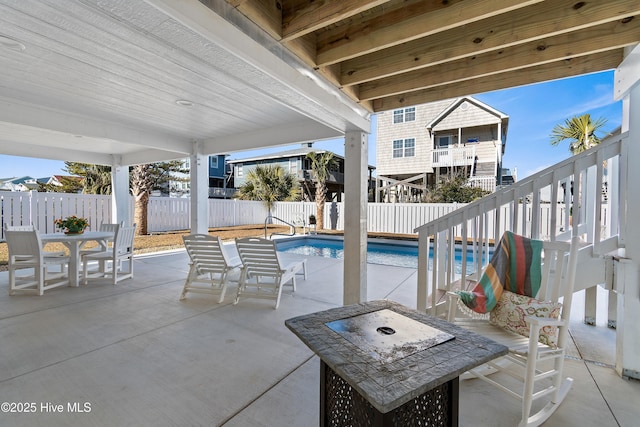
(524, 305)
(209, 265)
(263, 275)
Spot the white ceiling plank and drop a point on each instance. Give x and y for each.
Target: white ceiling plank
(296, 83)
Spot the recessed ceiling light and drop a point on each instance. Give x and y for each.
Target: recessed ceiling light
(9, 43)
(184, 103)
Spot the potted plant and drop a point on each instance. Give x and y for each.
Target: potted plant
(312, 220)
(72, 224)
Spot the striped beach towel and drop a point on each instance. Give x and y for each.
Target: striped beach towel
(514, 266)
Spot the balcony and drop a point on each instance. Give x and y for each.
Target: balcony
(453, 156)
(221, 193)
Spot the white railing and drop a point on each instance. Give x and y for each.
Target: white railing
(487, 183)
(454, 156)
(526, 208)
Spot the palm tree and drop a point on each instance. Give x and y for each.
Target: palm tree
(581, 132)
(269, 184)
(321, 164)
(141, 186)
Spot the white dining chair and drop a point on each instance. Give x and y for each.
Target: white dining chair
(119, 255)
(25, 252)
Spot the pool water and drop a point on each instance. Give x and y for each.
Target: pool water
(388, 253)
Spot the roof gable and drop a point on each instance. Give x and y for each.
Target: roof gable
(468, 110)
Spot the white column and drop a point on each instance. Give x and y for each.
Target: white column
(355, 218)
(120, 197)
(199, 174)
(627, 87)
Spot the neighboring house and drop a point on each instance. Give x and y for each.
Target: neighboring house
(22, 183)
(27, 183)
(219, 177)
(416, 145)
(181, 185)
(296, 162)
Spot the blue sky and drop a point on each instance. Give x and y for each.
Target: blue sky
(533, 111)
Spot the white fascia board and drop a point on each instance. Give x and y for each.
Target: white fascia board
(340, 111)
(301, 131)
(627, 75)
(15, 112)
(150, 156)
(13, 148)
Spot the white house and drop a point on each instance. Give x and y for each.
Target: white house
(417, 144)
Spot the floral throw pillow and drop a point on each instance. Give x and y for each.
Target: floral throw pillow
(510, 311)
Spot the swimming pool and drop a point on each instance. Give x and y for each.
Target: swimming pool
(397, 253)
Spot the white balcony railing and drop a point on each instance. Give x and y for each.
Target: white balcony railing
(574, 186)
(453, 156)
(487, 183)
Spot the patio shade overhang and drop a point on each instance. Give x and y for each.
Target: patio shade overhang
(137, 81)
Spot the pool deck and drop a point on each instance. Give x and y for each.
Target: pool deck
(140, 357)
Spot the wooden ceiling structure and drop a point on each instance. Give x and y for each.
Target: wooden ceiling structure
(386, 54)
(136, 81)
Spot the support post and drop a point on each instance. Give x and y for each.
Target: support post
(199, 174)
(627, 281)
(120, 198)
(355, 218)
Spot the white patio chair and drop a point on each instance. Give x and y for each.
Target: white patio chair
(536, 332)
(209, 265)
(263, 276)
(29, 228)
(106, 227)
(25, 252)
(118, 255)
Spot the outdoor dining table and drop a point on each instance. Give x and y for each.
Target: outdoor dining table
(75, 242)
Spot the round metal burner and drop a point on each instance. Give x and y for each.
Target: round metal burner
(385, 330)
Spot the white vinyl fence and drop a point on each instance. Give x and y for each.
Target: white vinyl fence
(170, 214)
(41, 209)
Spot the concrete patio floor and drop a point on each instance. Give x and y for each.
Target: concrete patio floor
(134, 355)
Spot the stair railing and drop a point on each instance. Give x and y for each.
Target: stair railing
(269, 219)
(553, 204)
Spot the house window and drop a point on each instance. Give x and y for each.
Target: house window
(238, 170)
(404, 148)
(293, 166)
(404, 115)
(443, 141)
(213, 162)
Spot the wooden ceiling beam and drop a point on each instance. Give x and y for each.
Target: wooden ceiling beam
(299, 19)
(429, 18)
(551, 71)
(516, 27)
(612, 35)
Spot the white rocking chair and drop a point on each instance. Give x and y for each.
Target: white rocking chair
(528, 353)
(209, 265)
(263, 276)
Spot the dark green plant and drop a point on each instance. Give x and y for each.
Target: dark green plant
(269, 184)
(321, 164)
(455, 189)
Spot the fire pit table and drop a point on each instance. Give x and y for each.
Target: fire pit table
(383, 364)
